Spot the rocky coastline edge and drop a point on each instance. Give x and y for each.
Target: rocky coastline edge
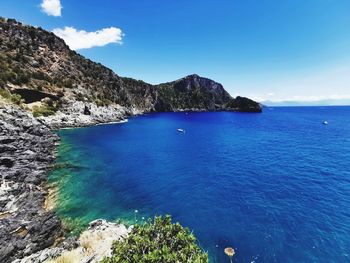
(30, 231)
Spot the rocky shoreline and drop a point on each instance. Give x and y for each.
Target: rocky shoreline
(80, 114)
(27, 150)
(92, 246)
(28, 228)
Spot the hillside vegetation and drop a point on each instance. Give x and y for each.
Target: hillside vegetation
(36, 60)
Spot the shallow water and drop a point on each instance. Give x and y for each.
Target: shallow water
(275, 186)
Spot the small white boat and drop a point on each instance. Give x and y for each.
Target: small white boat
(325, 122)
(180, 130)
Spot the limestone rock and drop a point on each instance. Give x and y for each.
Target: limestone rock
(27, 151)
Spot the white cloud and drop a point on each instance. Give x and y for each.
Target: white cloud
(51, 7)
(80, 39)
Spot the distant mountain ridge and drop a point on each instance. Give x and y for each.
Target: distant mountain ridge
(36, 63)
(325, 102)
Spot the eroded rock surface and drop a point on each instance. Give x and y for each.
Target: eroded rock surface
(74, 114)
(92, 246)
(26, 153)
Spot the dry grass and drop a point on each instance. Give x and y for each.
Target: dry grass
(51, 198)
(73, 256)
(5, 214)
(93, 244)
(90, 241)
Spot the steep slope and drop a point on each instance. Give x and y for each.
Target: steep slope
(38, 60)
(26, 154)
(192, 92)
(196, 93)
(36, 64)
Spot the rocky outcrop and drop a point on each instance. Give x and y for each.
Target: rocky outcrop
(242, 104)
(79, 114)
(27, 151)
(192, 93)
(195, 93)
(92, 246)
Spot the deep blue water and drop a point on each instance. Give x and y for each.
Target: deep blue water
(275, 186)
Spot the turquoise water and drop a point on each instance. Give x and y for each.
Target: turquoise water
(275, 186)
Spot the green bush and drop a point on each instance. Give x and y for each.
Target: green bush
(80, 97)
(43, 110)
(158, 241)
(5, 94)
(7, 76)
(14, 98)
(102, 102)
(17, 99)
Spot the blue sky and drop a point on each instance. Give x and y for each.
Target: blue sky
(264, 49)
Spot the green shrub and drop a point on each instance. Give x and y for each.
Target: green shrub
(68, 83)
(102, 102)
(43, 110)
(7, 76)
(17, 99)
(158, 241)
(5, 94)
(80, 97)
(14, 98)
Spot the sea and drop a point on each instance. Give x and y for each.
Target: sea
(275, 186)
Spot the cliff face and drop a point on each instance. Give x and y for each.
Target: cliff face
(26, 153)
(34, 59)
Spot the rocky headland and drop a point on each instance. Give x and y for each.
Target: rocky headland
(44, 86)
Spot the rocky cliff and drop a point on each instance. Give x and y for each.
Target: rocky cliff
(26, 153)
(36, 64)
